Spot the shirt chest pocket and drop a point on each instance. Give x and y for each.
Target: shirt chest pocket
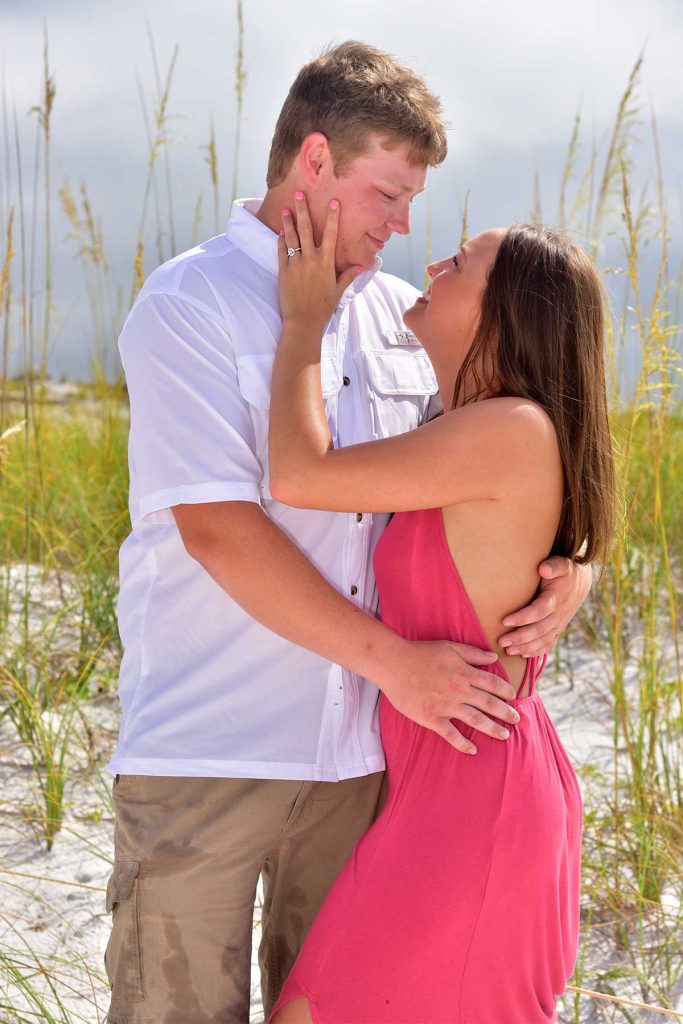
(401, 383)
(254, 376)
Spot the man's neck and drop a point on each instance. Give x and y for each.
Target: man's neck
(275, 201)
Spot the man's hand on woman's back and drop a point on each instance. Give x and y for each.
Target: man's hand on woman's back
(564, 587)
(435, 681)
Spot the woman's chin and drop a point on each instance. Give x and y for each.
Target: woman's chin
(408, 315)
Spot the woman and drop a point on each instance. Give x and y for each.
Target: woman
(461, 902)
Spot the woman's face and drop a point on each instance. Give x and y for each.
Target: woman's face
(446, 317)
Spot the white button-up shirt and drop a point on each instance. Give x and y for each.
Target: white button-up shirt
(205, 689)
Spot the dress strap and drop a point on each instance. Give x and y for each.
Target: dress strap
(537, 669)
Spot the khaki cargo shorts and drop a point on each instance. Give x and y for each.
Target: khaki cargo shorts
(188, 856)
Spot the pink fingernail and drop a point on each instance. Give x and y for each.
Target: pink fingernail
(334, 205)
(286, 213)
(299, 196)
(513, 650)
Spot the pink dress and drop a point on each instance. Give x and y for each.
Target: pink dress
(460, 904)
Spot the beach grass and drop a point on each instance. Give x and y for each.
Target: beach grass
(63, 517)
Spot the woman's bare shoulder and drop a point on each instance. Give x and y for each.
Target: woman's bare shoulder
(508, 414)
(506, 436)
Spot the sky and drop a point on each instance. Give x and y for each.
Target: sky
(511, 77)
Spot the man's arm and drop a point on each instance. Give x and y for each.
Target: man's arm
(272, 580)
(565, 585)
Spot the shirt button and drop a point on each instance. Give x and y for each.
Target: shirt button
(346, 380)
(354, 590)
(359, 517)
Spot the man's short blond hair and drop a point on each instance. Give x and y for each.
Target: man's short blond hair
(349, 92)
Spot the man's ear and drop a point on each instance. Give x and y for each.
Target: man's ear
(315, 158)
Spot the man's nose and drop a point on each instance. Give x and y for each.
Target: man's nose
(400, 222)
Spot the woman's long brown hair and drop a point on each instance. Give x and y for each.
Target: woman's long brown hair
(541, 336)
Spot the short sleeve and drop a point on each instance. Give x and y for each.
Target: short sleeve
(191, 434)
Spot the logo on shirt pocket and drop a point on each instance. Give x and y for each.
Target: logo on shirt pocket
(403, 337)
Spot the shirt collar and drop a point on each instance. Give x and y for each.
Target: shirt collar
(255, 239)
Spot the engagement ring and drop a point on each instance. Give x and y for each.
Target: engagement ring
(290, 251)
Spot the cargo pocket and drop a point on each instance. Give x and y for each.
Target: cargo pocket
(401, 383)
(123, 956)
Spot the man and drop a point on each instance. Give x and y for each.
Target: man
(245, 748)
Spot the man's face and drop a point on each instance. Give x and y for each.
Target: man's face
(374, 198)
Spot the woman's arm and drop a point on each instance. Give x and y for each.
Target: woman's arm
(468, 454)
(300, 437)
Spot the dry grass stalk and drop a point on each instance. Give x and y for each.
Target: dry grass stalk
(617, 153)
(197, 217)
(568, 170)
(167, 167)
(464, 226)
(5, 298)
(240, 84)
(211, 160)
(157, 142)
(44, 113)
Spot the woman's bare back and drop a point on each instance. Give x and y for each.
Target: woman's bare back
(498, 544)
